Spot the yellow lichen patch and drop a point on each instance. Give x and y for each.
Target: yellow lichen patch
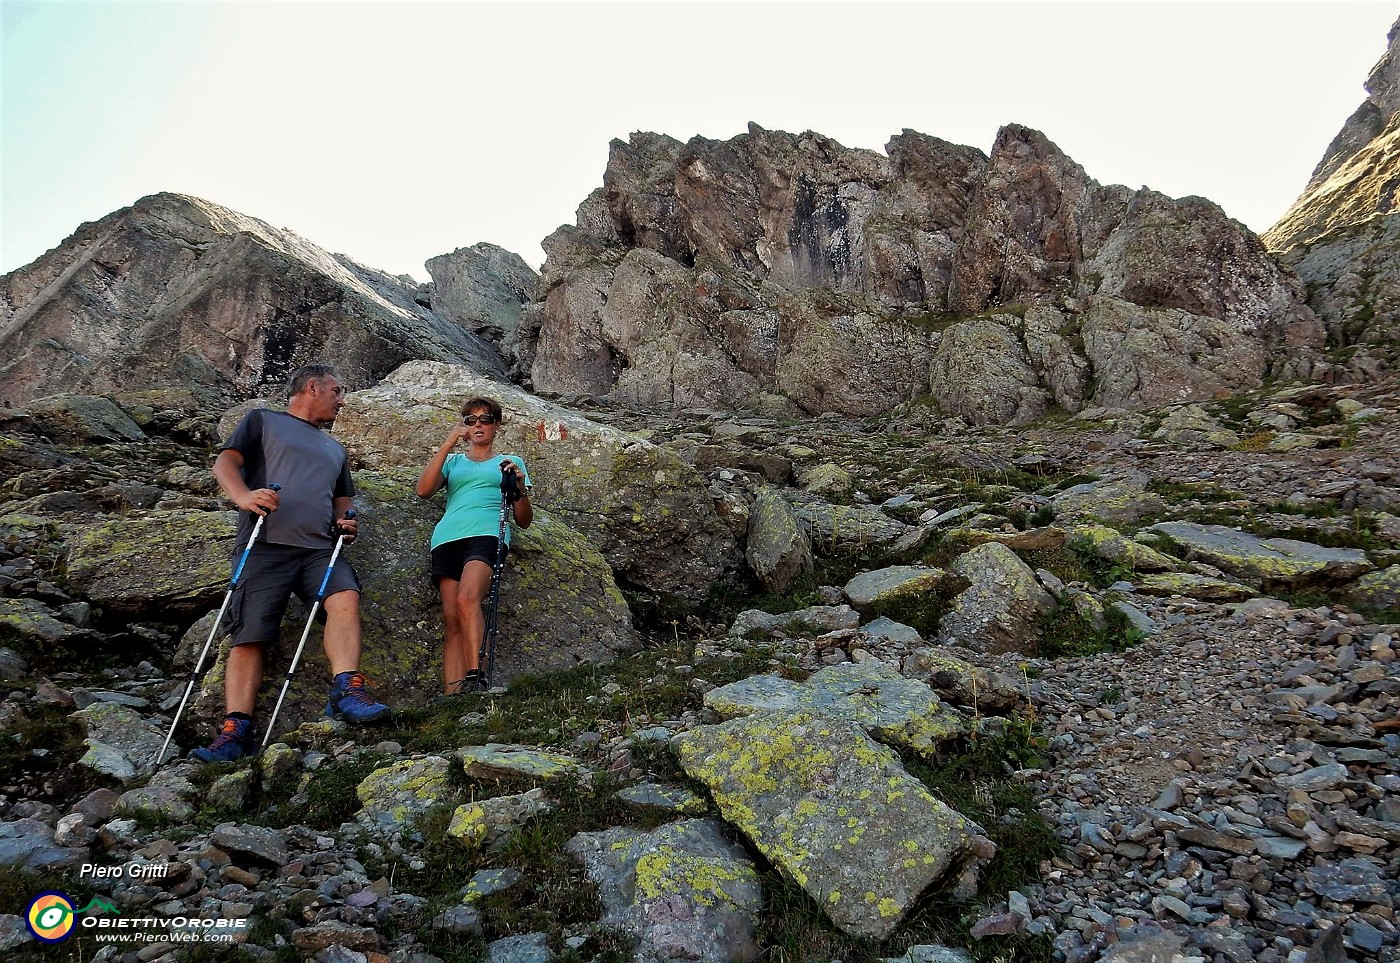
(703, 880)
(468, 825)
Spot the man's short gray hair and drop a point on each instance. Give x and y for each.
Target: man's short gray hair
(307, 373)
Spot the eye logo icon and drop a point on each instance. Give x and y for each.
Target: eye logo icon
(50, 917)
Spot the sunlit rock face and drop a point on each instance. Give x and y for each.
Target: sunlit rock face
(724, 272)
(177, 292)
(1342, 235)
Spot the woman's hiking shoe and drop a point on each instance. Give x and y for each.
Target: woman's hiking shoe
(350, 702)
(234, 741)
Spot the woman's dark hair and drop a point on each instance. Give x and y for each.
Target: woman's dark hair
(492, 406)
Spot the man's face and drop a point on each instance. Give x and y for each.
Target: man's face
(327, 397)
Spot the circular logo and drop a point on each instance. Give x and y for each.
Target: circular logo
(50, 917)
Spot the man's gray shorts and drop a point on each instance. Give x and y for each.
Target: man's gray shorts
(271, 576)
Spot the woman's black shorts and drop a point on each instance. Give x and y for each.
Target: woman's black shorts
(451, 558)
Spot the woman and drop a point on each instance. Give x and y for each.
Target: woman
(464, 542)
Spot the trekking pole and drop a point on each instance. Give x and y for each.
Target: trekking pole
(214, 629)
(315, 606)
(509, 493)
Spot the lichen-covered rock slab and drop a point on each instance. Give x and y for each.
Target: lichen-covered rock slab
(1002, 607)
(777, 549)
(496, 760)
(872, 695)
(168, 797)
(1111, 545)
(159, 563)
(1378, 591)
(1193, 586)
(683, 891)
(812, 621)
(83, 419)
(492, 820)
(396, 796)
(836, 529)
(836, 812)
(35, 622)
(659, 797)
(894, 583)
(1113, 501)
(1267, 562)
(964, 684)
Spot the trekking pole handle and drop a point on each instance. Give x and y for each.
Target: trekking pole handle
(272, 486)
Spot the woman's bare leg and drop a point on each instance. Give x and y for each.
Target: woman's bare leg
(454, 651)
(471, 590)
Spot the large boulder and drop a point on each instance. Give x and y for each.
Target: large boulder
(777, 549)
(559, 606)
(153, 563)
(83, 419)
(645, 510)
(836, 813)
(175, 291)
(1002, 607)
(983, 372)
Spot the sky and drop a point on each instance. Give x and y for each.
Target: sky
(394, 132)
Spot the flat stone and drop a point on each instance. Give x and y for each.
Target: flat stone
(1265, 560)
(1316, 779)
(835, 811)
(497, 760)
(892, 584)
(259, 843)
(871, 695)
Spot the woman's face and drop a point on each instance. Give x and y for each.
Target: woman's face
(483, 431)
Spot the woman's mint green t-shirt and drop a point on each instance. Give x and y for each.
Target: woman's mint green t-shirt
(473, 498)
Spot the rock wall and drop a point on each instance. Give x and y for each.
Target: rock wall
(1340, 236)
(718, 272)
(177, 292)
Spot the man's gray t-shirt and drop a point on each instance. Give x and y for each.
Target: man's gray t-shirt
(311, 467)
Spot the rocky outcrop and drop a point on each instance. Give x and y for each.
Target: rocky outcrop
(710, 273)
(484, 288)
(1342, 235)
(177, 292)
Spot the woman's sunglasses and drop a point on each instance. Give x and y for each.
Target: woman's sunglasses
(479, 419)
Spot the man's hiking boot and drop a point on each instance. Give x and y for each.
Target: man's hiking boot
(234, 741)
(349, 701)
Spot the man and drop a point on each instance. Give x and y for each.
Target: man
(289, 449)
